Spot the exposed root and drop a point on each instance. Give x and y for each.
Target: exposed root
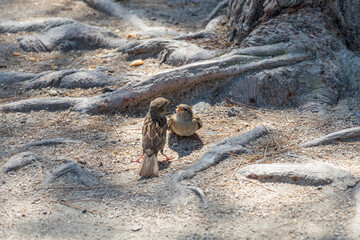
(200, 193)
(65, 35)
(215, 11)
(72, 205)
(168, 51)
(69, 167)
(164, 82)
(83, 187)
(315, 174)
(70, 79)
(37, 104)
(208, 32)
(69, 35)
(266, 50)
(220, 152)
(340, 135)
(10, 78)
(19, 160)
(33, 26)
(49, 142)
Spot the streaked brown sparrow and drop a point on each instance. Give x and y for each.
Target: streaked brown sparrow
(153, 137)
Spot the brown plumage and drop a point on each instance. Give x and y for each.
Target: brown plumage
(153, 137)
(184, 122)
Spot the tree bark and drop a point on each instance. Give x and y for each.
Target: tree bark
(328, 28)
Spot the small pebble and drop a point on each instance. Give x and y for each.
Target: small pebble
(136, 228)
(53, 93)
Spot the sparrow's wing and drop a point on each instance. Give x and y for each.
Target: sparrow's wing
(198, 120)
(154, 135)
(171, 120)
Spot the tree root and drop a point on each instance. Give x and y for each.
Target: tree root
(340, 135)
(71, 36)
(33, 26)
(264, 51)
(49, 142)
(215, 11)
(208, 32)
(302, 174)
(69, 167)
(218, 153)
(19, 160)
(22, 82)
(183, 77)
(10, 78)
(65, 35)
(164, 82)
(38, 104)
(70, 79)
(168, 51)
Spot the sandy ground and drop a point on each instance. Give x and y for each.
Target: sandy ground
(151, 209)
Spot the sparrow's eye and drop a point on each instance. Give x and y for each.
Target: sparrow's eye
(185, 109)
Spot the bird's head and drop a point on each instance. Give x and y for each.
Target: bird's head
(158, 105)
(184, 111)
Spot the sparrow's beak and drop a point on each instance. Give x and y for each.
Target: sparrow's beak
(179, 109)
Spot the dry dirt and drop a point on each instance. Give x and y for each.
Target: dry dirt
(150, 209)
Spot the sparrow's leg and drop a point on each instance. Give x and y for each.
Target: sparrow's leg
(197, 137)
(166, 157)
(175, 139)
(138, 159)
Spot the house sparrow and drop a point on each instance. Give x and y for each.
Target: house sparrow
(184, 122)
(153, 137)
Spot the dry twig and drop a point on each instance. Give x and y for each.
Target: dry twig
(83, 187)
(257, 183)
(8, 213)
(65, 203)
(340, 135)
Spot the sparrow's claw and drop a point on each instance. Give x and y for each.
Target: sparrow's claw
(167, 158)
(138, 159)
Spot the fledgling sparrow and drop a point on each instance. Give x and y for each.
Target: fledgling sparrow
(184, 122)
(153, 137)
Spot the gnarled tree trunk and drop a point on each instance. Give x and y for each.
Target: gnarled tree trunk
(328, 29)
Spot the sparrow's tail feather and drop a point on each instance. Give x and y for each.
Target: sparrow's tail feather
(149, 167)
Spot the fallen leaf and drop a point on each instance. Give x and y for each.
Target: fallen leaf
(32, 59)
(136, 62)
(16, 54)
(53, 67)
